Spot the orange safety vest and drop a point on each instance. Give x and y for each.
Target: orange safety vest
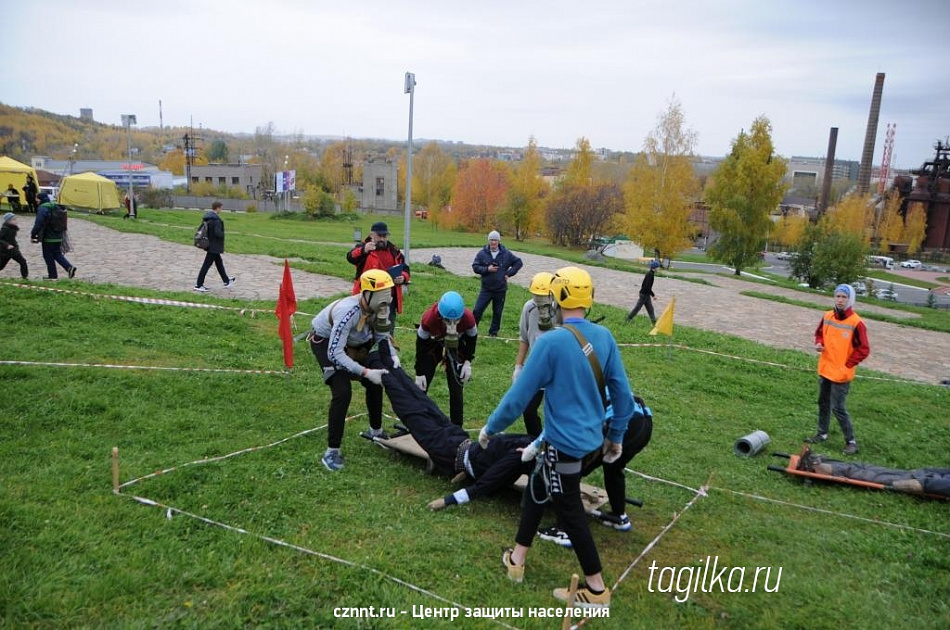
(837, 335)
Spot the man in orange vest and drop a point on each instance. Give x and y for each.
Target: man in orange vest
(842, 340)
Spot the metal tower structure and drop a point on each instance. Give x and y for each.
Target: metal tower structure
(886, 158)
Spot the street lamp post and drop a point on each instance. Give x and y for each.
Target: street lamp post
(411, 91)
(127, 121)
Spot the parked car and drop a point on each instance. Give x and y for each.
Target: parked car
(783, 256)
(885, 294)
(860, 288)
(911, 264)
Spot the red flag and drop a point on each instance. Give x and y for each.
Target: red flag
(286, 306)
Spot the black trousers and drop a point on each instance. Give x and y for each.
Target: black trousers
(16, 256)
(210, 259)
(341, 392)
(532, 421)
(436, 434)
(427, 364)
(564, 490)
(638, 435)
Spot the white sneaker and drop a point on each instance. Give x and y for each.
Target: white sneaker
(201, 289)
(230, 283)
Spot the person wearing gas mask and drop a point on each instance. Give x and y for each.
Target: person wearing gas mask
(343, 333)
(447, 335)
(537, 317)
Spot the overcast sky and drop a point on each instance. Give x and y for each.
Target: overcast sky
(495, 72)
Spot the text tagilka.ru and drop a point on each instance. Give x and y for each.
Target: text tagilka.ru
(709, 577)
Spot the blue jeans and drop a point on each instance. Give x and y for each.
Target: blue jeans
(832, 398)
(52, 254)
(497, 301)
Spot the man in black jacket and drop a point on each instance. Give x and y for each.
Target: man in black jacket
(495, 264)
(215, 249)
(646, 294)
(49, 228)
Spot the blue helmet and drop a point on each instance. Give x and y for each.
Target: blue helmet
(451, 305)
(654, 264)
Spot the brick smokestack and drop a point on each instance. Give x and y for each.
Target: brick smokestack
(829, 171)
(867, 157)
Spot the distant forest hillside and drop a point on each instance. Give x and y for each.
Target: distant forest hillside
(27, 132)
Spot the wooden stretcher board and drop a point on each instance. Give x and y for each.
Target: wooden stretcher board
(592, 496)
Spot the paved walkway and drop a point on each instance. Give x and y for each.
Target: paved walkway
(106, 256)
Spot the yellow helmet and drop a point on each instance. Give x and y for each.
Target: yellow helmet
(541, 283)
(572, 288)
(376, 280)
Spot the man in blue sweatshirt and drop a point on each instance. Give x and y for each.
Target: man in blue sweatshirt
(574, 420)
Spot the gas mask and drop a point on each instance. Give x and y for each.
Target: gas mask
(546, 311)
(378, 303)
(451, 339)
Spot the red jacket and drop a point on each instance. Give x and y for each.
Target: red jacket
(384, 259)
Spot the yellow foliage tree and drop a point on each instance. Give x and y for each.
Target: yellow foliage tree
(433, 175)
(579, 170)
(890, 225)
(523, 211)
(661, 188)
(915, 227)
(854, 215)
(174, 162)
(331, 166)
(788, 231)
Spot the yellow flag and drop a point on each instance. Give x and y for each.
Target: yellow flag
(664, 325)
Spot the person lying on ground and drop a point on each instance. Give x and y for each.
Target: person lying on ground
(448, 446)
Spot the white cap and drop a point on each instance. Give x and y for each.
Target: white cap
(494, 235)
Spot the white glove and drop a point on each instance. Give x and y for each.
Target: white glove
(514, 375)
(375, 376)
(466, 372)
(612, 451)
(396, 362)
(530, 452)
(483, 438)
(421, 382)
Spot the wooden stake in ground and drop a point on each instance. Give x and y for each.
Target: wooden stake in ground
(571, 593)
(115, 469)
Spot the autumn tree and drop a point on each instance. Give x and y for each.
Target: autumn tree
(522, 210)
(480, 191)
(854, 215)
(433, 175)
(915, 227)
(890, 224)
(828, 254)
(787, 231)
(331, 166)
(580, 169)
(575, 214)
(746, 188)
(661, 188)
(218, 151)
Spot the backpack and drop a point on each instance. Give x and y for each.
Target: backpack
(201, 236)
(57, 218)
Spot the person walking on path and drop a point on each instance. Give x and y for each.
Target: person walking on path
(842, 340)
(575, 431)
(215, 249)
(9, 249)
(49, 228)
(646, 294)
(378, 252)
(496, 265)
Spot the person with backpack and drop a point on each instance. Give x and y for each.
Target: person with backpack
(49, 228)
(215, 233)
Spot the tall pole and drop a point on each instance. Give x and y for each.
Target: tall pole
(829, 171)
(128, 120)
(411, 91)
